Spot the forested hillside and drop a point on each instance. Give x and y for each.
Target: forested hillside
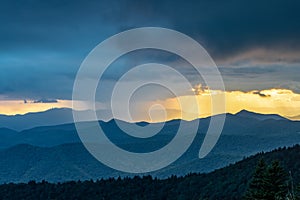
(231, 182)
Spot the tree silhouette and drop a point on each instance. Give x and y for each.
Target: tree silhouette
(276, 182)
(257, 184)
(268, 182)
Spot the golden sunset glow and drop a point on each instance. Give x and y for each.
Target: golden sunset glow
(272, 101)
(13, 107)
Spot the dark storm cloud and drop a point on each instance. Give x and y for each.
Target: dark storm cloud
(45, 101)
(224, 27)
(228, 27)
(260, 94)
(42, 43)
(54, 25)
(248, 71)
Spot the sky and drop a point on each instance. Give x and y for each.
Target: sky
(255, 44)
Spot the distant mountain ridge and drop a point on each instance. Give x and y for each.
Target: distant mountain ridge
(55, 153)
(47, 118)
(55, 116)
(58, 116)
(242, 124)
(249, 114)
(295, 118)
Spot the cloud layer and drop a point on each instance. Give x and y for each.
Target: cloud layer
(255, 43)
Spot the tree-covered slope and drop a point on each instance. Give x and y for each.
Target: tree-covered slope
(230, 182)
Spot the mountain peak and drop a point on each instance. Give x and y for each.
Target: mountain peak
(259, 116)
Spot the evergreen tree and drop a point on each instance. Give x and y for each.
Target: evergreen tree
(297, 195)
(257, 184)
(268, 182)
(275, 185)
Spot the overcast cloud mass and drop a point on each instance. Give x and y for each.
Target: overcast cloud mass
(255, 43)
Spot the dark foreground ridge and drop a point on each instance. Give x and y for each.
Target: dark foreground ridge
(230, 182)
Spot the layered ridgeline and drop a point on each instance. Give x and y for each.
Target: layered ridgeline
(50, 117)
(57, 116)
(55, 153)
(235, 181)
